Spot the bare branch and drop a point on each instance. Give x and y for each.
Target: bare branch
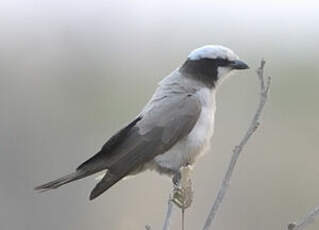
(308, 219)
(168, 214)
(264, 89)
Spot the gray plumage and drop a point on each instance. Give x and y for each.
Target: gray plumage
(172, 130)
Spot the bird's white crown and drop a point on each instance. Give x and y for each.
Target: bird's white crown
(213, 52)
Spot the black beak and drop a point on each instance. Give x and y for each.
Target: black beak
(238, 64)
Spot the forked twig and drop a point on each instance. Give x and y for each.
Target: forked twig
(264, 89)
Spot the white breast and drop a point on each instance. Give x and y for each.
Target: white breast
(187, 150)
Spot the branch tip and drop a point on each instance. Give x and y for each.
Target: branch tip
(238, 148)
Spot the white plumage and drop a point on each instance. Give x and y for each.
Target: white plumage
(186, 151)
(213, 51)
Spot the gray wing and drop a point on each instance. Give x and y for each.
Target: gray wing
(162, 123)
(157, 130)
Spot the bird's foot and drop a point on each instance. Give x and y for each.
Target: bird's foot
(183, 193)
(182, 198)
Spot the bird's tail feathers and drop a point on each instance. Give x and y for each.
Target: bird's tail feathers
(108, 181)
(61, 181)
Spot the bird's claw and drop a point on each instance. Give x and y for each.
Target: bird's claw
(183, 193)
(180, 198)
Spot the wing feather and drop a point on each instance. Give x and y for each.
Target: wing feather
(159, 129)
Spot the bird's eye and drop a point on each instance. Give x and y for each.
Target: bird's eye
(222, 62)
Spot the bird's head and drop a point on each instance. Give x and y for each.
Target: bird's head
(211, 64)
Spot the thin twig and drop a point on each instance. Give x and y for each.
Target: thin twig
(168, 213)
(183, 218)
(306, 220)
(264, 89)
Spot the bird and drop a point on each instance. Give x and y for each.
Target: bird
(173, 129)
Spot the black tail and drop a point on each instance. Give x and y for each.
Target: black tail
(108, 181)
(61, 181)
(99, 162)
(86, 169)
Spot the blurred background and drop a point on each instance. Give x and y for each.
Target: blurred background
(74, 72)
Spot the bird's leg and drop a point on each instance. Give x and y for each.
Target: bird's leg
(177, 178)
(183, 193)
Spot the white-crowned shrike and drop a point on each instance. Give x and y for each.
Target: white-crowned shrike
(172, 130)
